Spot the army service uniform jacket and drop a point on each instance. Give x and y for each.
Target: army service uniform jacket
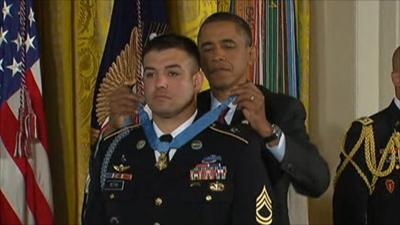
(216, 178)
(367, 184)
(302, 166)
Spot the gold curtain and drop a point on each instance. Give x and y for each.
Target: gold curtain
(72, 36)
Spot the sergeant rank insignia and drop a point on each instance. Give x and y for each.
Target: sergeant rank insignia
(264, 208)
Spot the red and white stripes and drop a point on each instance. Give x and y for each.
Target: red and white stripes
(25, 182)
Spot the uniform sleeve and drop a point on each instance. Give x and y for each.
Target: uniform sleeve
(302, 163)
(351, 193)
(92, 212)
(253, 194)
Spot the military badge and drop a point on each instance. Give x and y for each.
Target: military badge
(390, 185)
(121, 168)
(162, 162)
(217, 186)
(196, 145)
(140, 144)
(211, 159)
(209, 169)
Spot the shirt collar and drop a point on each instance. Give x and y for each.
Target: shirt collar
(215, 103)
(232, 108)
(179, 129)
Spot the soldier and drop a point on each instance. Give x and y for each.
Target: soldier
(367, 181)
(176, 168)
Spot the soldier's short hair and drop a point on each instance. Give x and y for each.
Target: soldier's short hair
(396, 60)
(240, 23)
(168, 41)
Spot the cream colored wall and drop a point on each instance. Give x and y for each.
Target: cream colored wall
(351, 48)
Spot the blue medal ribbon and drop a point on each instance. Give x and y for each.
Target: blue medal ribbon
(186, 135)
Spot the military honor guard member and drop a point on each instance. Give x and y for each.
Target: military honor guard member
(367, 184)
(179, 167)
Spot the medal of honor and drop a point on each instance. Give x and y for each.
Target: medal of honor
(162, 162)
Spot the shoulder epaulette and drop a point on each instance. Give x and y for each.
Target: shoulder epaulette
(130, 127)
(229, 133)
(365, 121)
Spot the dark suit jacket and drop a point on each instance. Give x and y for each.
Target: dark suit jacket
(174, 195)
(358, 199)
(302, 165)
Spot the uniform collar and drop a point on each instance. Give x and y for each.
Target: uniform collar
(179, 129)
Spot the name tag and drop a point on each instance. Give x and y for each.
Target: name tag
(114, 185)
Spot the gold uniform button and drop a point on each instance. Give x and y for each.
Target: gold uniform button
(208, 198)
(158, 201)
(397, 167)
(112, 196)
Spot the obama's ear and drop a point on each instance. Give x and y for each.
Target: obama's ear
(252, 55)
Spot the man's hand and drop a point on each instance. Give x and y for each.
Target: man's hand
(251, 101)
(123, 103)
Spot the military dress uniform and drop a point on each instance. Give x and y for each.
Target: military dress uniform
(215, 178)
(367, 185)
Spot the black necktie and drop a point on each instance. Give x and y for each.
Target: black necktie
(165, 138)
(163, 159)
(221, 118)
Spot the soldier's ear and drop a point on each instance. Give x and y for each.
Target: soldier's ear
(198, 79)
(396, 79)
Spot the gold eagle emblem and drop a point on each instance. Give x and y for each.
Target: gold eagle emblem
(121, 72)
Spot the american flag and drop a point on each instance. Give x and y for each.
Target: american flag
(25, 184)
